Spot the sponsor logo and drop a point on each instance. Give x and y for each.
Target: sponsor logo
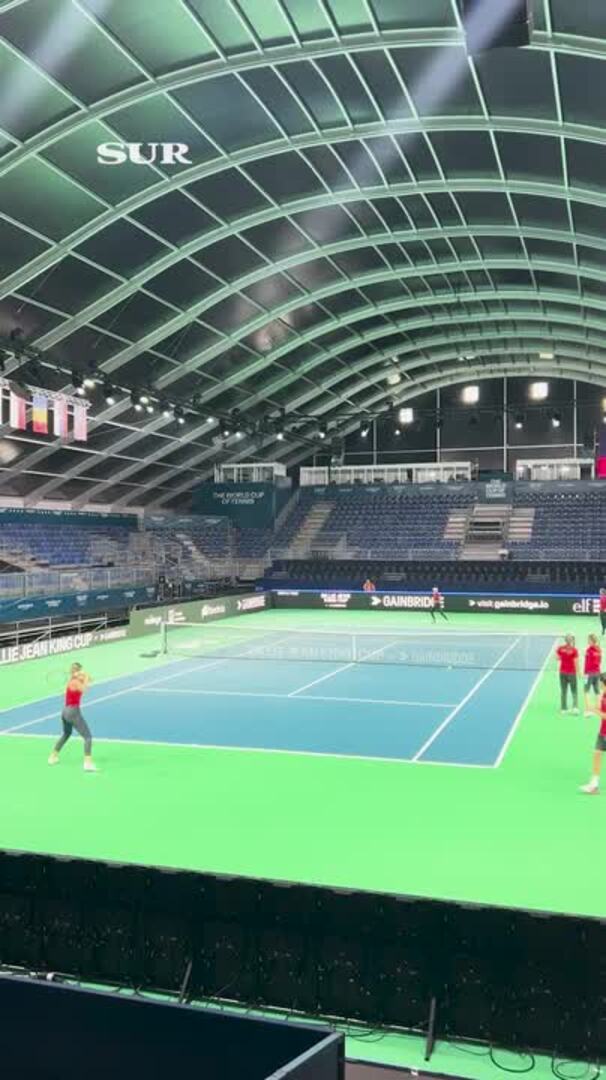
(251, 603)
(152, 620)
(288, 592)
(509, 603)
(587, 605)
(402, 600)
(335, 599)
(208, 610)
(169, 153)
(175, 615)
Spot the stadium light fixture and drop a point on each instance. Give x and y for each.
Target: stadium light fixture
(144, 398)
(547, 355)
(150, 407)
(518, 422)
(136, 401)
(406, 416)
(78, 383)
(470, 395)
(322, 432)
(179, 416)
(539, 391)
(556, 419)
(364, 429)
(109, 393)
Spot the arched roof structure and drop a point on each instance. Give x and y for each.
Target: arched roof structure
(363, 197)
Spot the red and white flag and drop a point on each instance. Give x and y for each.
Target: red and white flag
(60, 417)
(18, 408)
(80, 423)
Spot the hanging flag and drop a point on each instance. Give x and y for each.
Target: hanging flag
(80, 423)
(18, 408)
(40, 414)
(60, 417)
(600, 461)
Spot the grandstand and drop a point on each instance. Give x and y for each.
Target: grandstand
(303, 461)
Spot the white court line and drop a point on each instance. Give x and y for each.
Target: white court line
(105, 697)
(330, 675)
(314, 682)
(514, 726)
(264, 750)
(464, 701)
(284, 697)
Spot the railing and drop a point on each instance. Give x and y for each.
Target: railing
(52, 582)
(357, 554)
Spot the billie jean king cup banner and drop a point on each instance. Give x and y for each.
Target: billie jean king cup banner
(35, 650)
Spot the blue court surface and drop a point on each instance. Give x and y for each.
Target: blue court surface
(428, 712)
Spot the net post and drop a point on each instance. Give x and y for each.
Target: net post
(354, 651)
(163, 637)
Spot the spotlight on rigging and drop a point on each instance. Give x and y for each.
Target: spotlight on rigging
(322, 432)
(78, 383)
(518, 421)
(179, 415)
(109, 393)
(135, 401)
(166, 409)
(556, 419)
(364, 428)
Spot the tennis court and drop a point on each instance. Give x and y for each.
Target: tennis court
(362, 749)
(421, 695)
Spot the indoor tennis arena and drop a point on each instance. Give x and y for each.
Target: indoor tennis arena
(302, 539)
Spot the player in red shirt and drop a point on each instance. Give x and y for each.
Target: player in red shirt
(593, 787)
(437, 604)
(602, 603)
(591, 669)
(568, 657)
(71, 717)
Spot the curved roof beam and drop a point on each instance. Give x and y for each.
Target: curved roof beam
(327, 292)
(568, 367)
(136, 201)
(302, 258)
(386, 307)
(448, 377)
(284, 54)
(375, 359)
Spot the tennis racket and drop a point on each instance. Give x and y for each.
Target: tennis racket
(57, 678)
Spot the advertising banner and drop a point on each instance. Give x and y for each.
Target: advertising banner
(196, 611)
(33, 650)
(500, 603)
(43, 607)
(248, 506)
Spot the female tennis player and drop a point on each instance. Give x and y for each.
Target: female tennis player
(71, 717)
(568, 657)
(437, 604)
(593, 787)
(591, 670)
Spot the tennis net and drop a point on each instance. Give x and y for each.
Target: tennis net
(442, 649)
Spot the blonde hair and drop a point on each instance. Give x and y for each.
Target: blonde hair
(593, 639)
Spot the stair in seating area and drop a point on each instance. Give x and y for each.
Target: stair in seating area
(456, 526)
(487, 532)
(311, 525)
(521, 524)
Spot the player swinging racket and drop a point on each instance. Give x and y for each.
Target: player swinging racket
(71, 717)
(591, 669)
(568, 657)
(437, 604)
(593, 787)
